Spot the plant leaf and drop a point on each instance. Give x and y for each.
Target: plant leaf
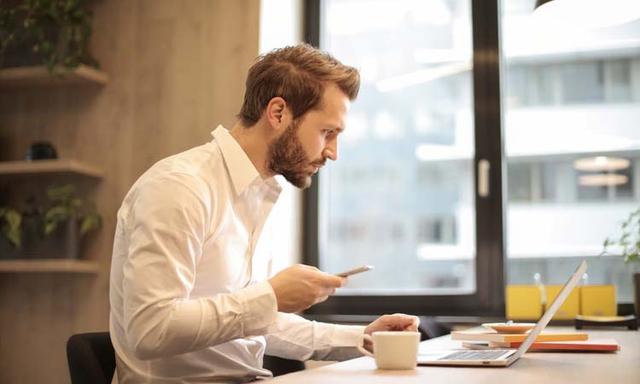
(57, 213)
(90, 223)
(12, 226)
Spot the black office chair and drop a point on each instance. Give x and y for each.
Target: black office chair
(281, 366)
(91, 357)
(430, 328)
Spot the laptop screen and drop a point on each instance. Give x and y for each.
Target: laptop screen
(553, 308)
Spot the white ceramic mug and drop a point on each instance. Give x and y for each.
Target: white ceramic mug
(394, 349)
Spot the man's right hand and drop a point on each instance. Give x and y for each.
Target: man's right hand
(301, 286)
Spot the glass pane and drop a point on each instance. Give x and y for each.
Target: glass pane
(400, 197)
(571, 116)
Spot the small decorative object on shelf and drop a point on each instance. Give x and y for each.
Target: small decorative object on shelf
(42, 150)
(50, 230)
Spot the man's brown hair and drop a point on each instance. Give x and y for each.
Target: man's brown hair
(298, 74)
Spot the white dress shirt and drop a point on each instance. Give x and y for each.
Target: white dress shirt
(189, 298)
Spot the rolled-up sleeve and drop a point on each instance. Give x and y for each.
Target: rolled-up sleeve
(294, 337)
(167, 226)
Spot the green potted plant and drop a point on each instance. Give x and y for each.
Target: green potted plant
(66, 206)
(629, 243)
(53, 229)
(51, 32)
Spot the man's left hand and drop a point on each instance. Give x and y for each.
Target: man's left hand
(395, 322)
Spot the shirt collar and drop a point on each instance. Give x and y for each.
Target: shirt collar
(241, 170)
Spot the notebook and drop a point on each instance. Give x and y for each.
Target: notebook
(592, 345)
(493, 337)
(503, 357)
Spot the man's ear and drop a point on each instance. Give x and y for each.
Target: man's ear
(277, 113)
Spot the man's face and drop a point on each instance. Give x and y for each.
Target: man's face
(306, 144)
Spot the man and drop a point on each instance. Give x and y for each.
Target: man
(191, 296)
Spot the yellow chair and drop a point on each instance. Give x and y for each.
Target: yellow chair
(523, 302)
(570, 308)
(598, 300)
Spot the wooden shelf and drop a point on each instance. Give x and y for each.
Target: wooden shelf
(49, 166)
(49, 265)
(23, 77)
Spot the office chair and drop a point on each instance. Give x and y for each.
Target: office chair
(91, 357)
(431, 328)
(281, 366)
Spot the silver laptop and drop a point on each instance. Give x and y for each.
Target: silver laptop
(503, 357)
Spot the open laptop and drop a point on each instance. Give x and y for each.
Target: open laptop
(503, 357)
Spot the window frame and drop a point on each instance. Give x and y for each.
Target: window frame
(488, 300)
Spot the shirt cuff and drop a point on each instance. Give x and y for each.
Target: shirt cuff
(347, 335)
(260, 308)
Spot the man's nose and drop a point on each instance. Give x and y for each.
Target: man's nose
(331, 150)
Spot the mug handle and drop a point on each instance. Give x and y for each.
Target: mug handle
(362, 349)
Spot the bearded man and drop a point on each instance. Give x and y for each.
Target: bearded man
(191, 292)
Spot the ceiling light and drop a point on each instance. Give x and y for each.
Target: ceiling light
(601, 164)
(602, 180)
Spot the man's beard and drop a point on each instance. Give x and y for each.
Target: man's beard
(287, 158)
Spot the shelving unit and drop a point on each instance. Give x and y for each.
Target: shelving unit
(49, 266)
(39, 76)
(49, 167)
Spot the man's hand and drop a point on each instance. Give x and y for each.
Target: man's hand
(301, 286)
(395, 322)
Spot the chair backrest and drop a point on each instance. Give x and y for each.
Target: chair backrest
(281, 366)
(91, 358)
(431, 328)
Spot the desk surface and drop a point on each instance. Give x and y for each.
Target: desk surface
(622, 367)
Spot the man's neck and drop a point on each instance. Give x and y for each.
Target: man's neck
(255, 143)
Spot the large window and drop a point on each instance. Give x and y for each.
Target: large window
(408, 192)
(401, 196)
(572, 143)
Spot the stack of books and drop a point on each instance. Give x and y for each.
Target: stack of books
(570, 341)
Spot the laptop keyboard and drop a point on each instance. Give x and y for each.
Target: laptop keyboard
(473, 355)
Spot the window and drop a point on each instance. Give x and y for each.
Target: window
(415, 100)
(572, 147)
(416, 95)
(403, 195)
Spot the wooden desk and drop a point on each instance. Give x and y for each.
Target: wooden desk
(622, 367)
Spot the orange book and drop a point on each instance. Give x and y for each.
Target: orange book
(508, 337)
(600, 345)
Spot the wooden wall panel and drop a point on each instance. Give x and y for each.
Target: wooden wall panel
(176, 69)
